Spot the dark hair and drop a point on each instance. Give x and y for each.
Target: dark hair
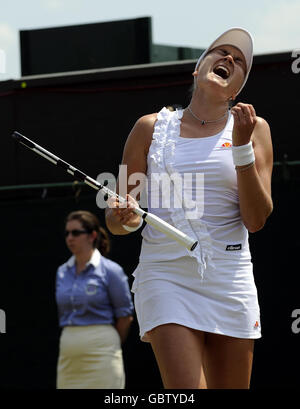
(90, 222)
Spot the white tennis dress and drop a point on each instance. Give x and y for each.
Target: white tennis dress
(192, 185)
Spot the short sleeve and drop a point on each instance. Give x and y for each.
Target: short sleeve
(118, 290)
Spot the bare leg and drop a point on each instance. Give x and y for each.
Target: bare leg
(228, 362)
(178, 351)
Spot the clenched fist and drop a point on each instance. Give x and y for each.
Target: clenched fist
(244, 123)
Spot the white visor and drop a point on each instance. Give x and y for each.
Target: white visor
(239, 38)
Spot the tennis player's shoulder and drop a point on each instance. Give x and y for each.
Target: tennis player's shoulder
(147, 122)
(262, 142)
(143, 130)
(262, 132)
(261, 123)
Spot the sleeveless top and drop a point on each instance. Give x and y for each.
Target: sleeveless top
(192, 184)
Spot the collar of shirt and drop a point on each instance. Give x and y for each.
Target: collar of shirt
(94, 260)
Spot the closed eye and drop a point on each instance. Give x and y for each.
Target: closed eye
(238, 60)
(241, 63)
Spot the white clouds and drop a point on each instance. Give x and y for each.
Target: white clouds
(61, 5)
(7, 35)
(278, 28)
(53, 4)
(8, 51)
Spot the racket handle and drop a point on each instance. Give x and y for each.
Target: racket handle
(167, 229)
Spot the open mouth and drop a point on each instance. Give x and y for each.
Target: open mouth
(222, 71)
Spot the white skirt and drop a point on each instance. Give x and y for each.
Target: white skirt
(90, 357)
(223, 302)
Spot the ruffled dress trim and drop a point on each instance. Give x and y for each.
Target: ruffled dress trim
(162, 152)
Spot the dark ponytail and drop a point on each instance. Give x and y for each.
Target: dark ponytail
(103, 242)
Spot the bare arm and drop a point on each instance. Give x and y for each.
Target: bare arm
(135, 158)
(122, 326)
(254, 183)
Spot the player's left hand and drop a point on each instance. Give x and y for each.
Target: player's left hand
(244, 123)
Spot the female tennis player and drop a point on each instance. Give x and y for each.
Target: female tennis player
(199, 310)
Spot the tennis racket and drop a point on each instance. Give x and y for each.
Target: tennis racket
(155, 221)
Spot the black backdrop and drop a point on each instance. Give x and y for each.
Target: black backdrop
(85, 119)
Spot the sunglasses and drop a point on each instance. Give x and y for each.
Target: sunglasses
(75, 233)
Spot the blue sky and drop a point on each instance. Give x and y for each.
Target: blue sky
(274, 24)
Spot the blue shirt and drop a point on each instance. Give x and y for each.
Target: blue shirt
(98, 295)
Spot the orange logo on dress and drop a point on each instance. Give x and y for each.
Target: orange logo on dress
(226, 145)
(256, 325)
